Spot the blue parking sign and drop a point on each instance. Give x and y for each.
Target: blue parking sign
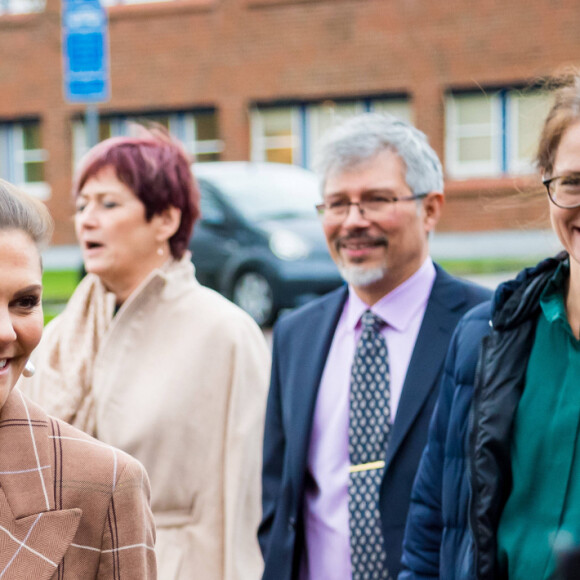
(85, 51)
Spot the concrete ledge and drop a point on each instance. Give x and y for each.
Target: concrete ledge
(497, 244)
(449, 245)
(62, 258)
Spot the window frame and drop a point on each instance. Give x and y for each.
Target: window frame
(260, 145)
(461, 169)
(505, 159)
(181, 124)
(305, 133)
(14, 157)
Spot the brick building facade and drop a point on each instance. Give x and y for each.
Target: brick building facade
(260, 79)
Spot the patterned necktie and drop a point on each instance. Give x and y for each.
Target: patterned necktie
(368, 435)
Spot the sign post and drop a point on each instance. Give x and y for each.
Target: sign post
(85, 42)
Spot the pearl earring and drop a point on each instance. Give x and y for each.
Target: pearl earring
(160, 251)
(29, 369)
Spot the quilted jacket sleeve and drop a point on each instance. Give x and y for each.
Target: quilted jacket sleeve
(422, 541)
(437, 541)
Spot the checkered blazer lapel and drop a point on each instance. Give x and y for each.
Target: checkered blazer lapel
(33, 534)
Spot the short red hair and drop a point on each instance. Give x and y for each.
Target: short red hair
(157, 170)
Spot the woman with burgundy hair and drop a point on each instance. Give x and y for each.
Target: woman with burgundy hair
(146, 359)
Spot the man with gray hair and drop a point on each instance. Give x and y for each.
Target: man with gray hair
(355, 373)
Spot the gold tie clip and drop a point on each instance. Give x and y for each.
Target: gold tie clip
(366, 466)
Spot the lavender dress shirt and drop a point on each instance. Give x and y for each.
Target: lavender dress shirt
(327, 553)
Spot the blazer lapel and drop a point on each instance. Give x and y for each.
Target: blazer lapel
(310, 351)
(428, 357)
(33, 535)
(34, 543)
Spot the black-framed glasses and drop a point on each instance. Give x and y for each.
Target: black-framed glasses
(564, 190)
(336, 210)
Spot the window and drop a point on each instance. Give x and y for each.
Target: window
(275, 135)
(198, 131)
(117, 2)
(289, 134)
(527, 115)
(22, 157)
(493, 134)
(21, 6)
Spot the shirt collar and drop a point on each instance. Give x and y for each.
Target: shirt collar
(552, 298)
(398, 307)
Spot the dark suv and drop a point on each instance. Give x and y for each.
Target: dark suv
(259, 241)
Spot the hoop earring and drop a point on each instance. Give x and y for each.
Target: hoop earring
(29, 369)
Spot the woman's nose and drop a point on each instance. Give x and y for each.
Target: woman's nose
(7, 332)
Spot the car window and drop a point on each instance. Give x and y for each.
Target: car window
(276, 194)
(211, 211)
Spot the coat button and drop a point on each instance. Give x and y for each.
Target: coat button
(291, 523)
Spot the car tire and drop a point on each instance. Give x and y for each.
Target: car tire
(253, 293)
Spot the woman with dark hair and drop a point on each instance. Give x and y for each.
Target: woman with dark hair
(498, 488)
(70, 507)
(145, 358)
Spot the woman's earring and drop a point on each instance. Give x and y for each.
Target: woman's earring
(29, 369)
(160, 251)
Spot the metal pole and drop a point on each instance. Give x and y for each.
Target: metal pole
(92, 124)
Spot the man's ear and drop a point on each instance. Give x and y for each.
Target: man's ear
(167, 223)
(432, 207)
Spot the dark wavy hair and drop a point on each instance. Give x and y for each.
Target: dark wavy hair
(157, 170)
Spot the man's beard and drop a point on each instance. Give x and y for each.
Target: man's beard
(359, 275)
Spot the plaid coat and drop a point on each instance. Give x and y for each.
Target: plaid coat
(70, 506)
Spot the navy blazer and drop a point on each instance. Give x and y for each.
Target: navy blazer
(301, 343)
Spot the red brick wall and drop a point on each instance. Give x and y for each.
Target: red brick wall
(232, 53)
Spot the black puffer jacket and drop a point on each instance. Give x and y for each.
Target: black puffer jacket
(460, 479)
(498, 385)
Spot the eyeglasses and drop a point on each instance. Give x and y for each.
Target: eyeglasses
(374, 207)
(564, 190)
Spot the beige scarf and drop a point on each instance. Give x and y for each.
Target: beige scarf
(65, 358)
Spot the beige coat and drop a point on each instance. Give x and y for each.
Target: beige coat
(70, 507)
(178, 380)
